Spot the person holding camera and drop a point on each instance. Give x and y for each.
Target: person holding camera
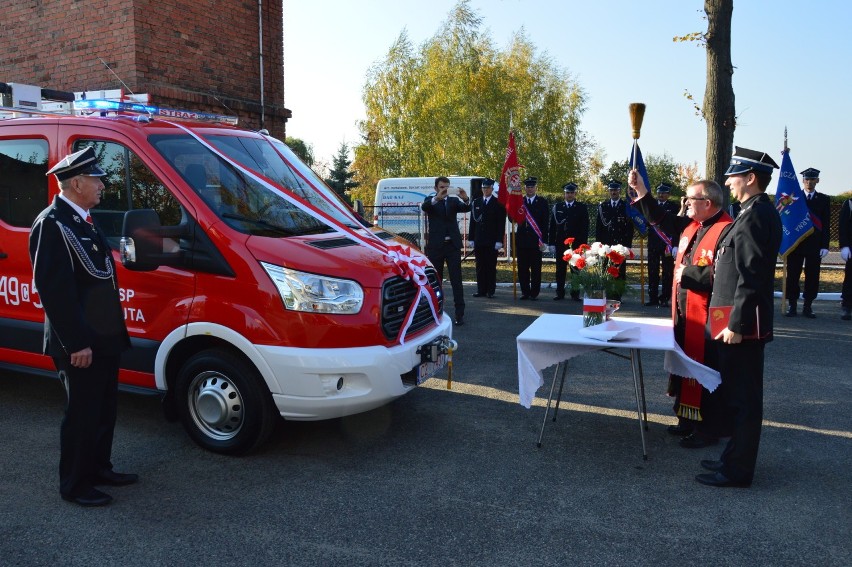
(444, 241)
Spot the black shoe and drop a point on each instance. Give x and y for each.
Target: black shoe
(847, 315)
(680, 430)
(490, 296)
(90, 498)
(477, 294)
(652, 303)
(524, 297)
(720, 480)
(697, 441)
(791, 311)
(559, 298)
(113, 478)
(664, 303)
(534, 298)
(714, 466)
(458, 322)
(808, 312)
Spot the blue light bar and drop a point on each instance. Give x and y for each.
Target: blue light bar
(139, 108)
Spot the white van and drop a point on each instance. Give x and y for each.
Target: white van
(398, 200)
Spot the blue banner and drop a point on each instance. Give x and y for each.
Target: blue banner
(635, 215)
(790, 201)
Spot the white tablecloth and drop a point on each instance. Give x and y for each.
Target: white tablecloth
(551, 339)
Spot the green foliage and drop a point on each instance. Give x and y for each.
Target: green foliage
(446, 108)
(340, 177)
(303, 151)
(661, 169)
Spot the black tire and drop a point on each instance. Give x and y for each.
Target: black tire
(224, 403)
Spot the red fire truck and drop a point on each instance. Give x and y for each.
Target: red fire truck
(249, 289)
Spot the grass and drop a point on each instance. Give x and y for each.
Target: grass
(831, 280)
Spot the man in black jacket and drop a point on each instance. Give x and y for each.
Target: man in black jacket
(810, 252)
(568, 219)
(530, 240)
(486, 230)
(743, 293)
(84, 328)
(660, 256)
(845, 229)
(444, 241)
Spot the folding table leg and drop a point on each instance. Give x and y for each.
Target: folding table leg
(642, 388)
(563, 366)
(634, 363)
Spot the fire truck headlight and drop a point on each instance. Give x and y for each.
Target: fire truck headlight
(301, 291)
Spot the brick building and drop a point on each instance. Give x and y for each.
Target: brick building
(204, 56)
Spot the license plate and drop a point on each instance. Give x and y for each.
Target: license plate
(427, 369)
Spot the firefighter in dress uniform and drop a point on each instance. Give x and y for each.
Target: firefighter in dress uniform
(84, 330)
(486, 230)
(568, 219)
(613, 224)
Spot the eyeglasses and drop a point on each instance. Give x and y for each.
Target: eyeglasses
(697, 199)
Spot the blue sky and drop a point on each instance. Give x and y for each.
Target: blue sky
(792, 70)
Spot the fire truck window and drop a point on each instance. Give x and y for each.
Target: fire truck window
(129, 184)
(23, 183)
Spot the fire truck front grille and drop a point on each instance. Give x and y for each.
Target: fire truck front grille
(397, 295)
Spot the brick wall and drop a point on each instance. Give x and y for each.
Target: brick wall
(202, 55)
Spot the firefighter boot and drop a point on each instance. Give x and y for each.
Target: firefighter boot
(807, 311)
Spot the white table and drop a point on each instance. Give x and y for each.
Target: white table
(554, 339)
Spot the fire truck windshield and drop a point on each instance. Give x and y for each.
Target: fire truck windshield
(245, 203)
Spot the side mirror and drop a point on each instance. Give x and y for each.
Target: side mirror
(143, 241)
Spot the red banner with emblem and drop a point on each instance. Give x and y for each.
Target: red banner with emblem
(510, 194)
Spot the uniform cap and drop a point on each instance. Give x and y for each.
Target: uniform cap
(614, 185)
(531, 181)
(745, 160)
(569, 187)
(488, 182)
(664, 188)
(84, 162)
(810, 173)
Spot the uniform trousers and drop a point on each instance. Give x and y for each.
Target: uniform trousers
(87, 428)
(486, 269)
(811, 264)
(529, 271)
(447, 252)
(656, 260)
(741, 368)
(846, 294)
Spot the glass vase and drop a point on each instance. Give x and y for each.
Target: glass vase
(594, 307)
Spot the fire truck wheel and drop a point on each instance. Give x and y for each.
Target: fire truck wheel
(223, 403)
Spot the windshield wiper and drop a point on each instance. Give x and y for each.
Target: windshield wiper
(260, 223)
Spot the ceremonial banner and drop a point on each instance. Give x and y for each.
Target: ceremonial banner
(636, 216)
(511, 196)
(790, 201)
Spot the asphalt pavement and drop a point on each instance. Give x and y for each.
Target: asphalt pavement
(453, 476)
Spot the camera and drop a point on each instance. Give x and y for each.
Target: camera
(452, 191)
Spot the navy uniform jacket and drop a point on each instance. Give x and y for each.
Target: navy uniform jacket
(487, 223)
(76, 281)
(442, 221)
(613, 224)
(568, 222)
(525, 236)
(745, 267)
(819, 206)
(656, 243)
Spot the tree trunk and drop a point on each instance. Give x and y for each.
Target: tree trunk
(718, 106)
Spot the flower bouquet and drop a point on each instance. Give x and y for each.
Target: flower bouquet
(595, 270)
